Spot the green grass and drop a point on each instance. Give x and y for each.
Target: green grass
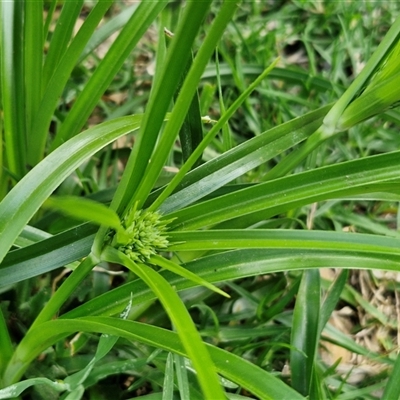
(211, 213)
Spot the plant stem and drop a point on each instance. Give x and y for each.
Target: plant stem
(6, 345)
(66, 289)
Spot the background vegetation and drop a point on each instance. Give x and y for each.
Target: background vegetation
(237, 148)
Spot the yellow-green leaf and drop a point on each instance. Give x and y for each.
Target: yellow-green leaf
(85, 210)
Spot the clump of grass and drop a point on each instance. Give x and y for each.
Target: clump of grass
(252, 222)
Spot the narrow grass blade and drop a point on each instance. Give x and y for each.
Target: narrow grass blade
(377, 100)
(168, 386)
(205, 142)
(60, 38)
(180, 318)
(129, 190)
(365, 393)
(256, 380)
(226, 134)
(379, 55)
(237, 264)
(12, 88)
(33, 60)
(337, 337)
(272, 141)
(191, 131)
(224, 239)
(297, 77)
(12, 392)
(305, 332)
(179, 270)
(3, 179)
(85, 210)
(181, 377)
(344, 179)
(371, 309)
(50, 12)
(295, 157)
(141, 19)
(332, 297)
(107, 29)
(47, 103)
(6, 345)
(45, 256)
(392, 389)
(376, 191)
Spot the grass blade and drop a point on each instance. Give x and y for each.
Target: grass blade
(224, 239)
(376, 101)
(179, 270)
(33, 61)
(254, 379)
(107, 29)
(18, 207)
(237, 264)
(332, 298)
(182, 378)
(6, 345)
(61, 37)
(15, 390)
(143, 16)
(344, 179)
(226, 133)
(47, 255)
(180, 318)
(12, 88)
(207, 139)
(60, 75)
(378, 57)
(191, 132)
(392, 389)
(85, 210)
(305, 332)
(129, 191)
(168, 386)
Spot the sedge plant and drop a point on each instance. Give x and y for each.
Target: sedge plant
(199, 229)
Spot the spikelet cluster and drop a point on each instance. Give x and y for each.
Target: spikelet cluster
(144, 234)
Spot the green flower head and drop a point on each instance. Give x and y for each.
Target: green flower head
(143, 235)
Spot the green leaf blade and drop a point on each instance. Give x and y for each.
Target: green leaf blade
(47, 103)
(305, 332)
(18, 207)
(12, 88)
(85, 209)
(130, 191)
(273, 197)
(257, 381)
(180, 318)
(179, 270)
(143, 16)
